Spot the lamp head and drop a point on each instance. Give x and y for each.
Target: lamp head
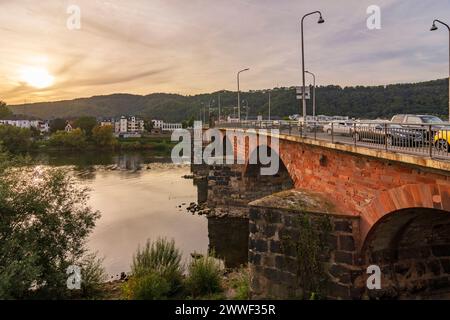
(433, 27)
(320, 20)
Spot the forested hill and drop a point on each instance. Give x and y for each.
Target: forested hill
(361, 102)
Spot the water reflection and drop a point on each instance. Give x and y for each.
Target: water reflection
(139, 196)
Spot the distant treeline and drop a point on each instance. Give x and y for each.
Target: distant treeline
(360, 102)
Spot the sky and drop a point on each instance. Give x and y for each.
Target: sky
(197, 46)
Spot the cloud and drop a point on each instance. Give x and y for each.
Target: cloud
(143, 46)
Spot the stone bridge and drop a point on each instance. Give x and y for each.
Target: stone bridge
(382, 208)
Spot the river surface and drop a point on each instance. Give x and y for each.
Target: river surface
(144, 197)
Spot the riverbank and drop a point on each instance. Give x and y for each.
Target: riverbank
(160, 144)
(235, 285)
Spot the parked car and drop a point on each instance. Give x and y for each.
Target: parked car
(390, 134)
(416, 119)
(420, 122)
(339, 127)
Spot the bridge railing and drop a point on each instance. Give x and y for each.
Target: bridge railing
(430, 140)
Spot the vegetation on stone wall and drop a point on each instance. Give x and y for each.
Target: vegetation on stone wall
(306, 238)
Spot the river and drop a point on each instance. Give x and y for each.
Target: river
(142, 197)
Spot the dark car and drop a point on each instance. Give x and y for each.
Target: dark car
(390, 134)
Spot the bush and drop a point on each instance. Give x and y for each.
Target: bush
(93, 276)
(161, 258)
(15, 139)
(204, 277)
(75, 139)
(151, 286)
(44, 224)
(241, 284)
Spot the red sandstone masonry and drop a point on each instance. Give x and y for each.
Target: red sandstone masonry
(365, 186)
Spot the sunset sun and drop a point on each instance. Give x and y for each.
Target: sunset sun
(37, 77)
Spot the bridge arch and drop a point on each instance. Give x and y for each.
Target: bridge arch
(253, 179)
(412, 248)
(426, 196)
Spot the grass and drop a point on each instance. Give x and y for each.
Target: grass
(157, 271)
(204, 277)
(240, 284)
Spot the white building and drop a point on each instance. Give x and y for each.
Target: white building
(171, 126)
(42, 126)
(164, 126)
(157, 124)
(125, 125)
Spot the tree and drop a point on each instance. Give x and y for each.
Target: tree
(86, 124)
(103, 136)
(5, 112)
(57, 124)
(45, 221)
(76, 139)
(15, 139)
(148, 125)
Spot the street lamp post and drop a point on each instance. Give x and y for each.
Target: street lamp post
(433, 28)
(269, 103)
(239, 92)
(320, 21)
(314, 93)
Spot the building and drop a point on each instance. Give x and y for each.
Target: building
(42, 126)
(157, 124)
(126, 126)
(171, 126)
(164, 126)
(68, 127)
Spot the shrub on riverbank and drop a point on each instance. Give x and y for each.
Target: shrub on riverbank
(204, 277)
(159, 260)
(44, 223)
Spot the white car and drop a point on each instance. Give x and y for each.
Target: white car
(339, 127)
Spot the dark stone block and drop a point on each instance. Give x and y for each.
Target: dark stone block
(288, 278)
(441, 250)
(338, 291)
(402, 268)
(343, 257)
(435, 267)
(275, 246)
(255, 259)
(332, 242)
(254, 214)
(421, 268)
(356, 293)
(347, 243)
(337, 270)
(260, 245)
(439, 283)
(252, 228)
(271, 274)
(286, 264)
(273, 217)
(269, 230)
(279, 262)
(343, 226)
(289, 234)
(446, 265)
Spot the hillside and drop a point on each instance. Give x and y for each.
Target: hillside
(367, 102)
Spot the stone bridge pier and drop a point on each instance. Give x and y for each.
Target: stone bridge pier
(331, 211)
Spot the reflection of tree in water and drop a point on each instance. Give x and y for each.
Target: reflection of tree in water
(228, 238)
